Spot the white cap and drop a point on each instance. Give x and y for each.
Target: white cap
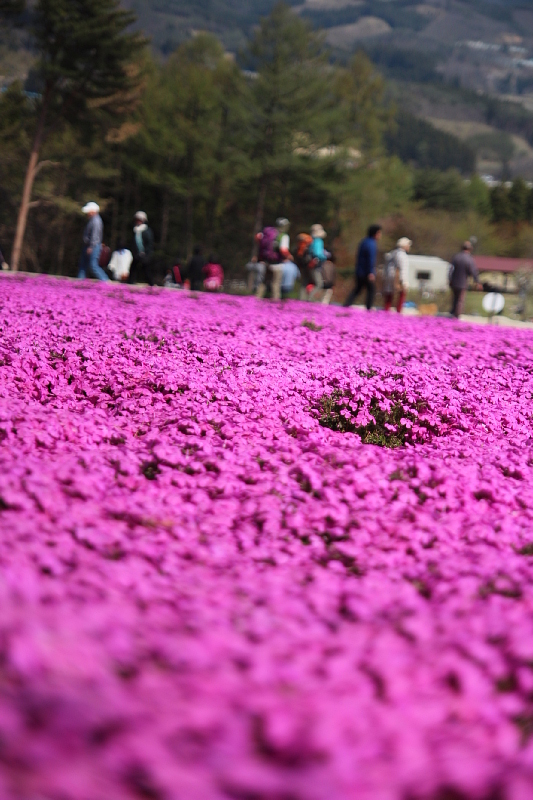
(90, 207)
(141, 215)
(404, 242)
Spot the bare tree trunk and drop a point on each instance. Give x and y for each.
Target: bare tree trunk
(259, 217)
(28, 184)
(165, 219)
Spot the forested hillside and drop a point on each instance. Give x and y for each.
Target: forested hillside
(211, 151)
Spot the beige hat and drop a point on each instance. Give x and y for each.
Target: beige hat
(142, 216)
(404, 243)
(318, 232)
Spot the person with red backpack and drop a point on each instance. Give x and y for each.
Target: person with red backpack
(274, 250)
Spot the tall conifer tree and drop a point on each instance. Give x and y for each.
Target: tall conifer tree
(84, 54)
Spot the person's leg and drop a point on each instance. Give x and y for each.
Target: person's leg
(328, 294)
(251, 280)
(318, 280)
(150, 273)
(460, 302)
(277, 276)
(82, 265)
(354, 293)
(455, 302)
(401, 301)
(387, 301)
(370, 293)
(94, 267)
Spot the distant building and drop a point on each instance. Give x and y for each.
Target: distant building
(501, 272)
(503, 266)
(428, 273)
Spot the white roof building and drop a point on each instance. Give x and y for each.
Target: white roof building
(430, 271)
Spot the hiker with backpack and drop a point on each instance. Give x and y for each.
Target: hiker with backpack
(274, 250)
(319, 257)
(303, 259)
(396, 275)
(365, 267)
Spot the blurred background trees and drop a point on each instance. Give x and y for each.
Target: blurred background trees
(214, 146)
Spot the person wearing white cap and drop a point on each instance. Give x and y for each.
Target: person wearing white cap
(396, 278)
(92, 244)
(143, 248)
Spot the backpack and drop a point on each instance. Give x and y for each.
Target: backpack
(304, 243)
(105, 256)
(269, 246)
(389, 272)
(329, 273)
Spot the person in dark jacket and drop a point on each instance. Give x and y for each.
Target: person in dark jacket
(195, 269)
(143, 249)
(365, 267)
(463, 268)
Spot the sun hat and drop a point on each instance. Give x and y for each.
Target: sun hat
(318, 232)
(90, 208)
(282, 222)
(404, 242)
(141, 215)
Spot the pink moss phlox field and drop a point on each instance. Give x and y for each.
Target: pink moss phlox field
(205, 593)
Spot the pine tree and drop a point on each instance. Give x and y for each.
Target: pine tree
(84, 57)
(291, 95)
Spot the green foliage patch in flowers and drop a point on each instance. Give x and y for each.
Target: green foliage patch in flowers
(393, 428)
(312, 326)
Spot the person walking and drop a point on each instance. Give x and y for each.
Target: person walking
(274, 250)
(463, 268)
(143, 249)
(318, 253)
(396, 278)
(365, 267)
(195, 269)
(92, 244)
(120, 263)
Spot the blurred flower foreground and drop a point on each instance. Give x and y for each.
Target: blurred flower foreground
(261, 551)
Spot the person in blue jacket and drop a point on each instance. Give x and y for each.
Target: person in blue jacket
(365, 267)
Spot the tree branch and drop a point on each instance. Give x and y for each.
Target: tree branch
(44, 164)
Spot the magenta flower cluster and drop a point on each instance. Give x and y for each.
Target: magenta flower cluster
(208, 592)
